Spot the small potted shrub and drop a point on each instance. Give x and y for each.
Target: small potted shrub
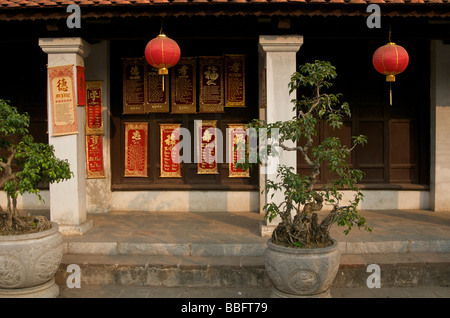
(30, 246)
(302, 259)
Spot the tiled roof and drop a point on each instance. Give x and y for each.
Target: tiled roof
(55, 9)
(105, 3)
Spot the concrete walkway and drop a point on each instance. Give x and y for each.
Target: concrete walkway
(418, 238)
(178, 233)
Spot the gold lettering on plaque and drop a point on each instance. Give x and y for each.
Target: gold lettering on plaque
(184, 99)
(134, 89)
(234, 80)
(157, 97)
(211, 84)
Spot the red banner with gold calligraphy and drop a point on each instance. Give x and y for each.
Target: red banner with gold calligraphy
(81, 86)
(238, 143)
(206, 147)
(136, 140)
(94, 105)
(94, 157)
(63, 100)
(169, 155)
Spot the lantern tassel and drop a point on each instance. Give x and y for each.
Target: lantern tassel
(163, 83)
(390, 93)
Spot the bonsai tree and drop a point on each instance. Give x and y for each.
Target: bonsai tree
(24, 166)
(300, 225)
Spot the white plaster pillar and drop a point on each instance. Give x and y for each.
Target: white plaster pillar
(440, 126)
(279, 56)
(68, 198)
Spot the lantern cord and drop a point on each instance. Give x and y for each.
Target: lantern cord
(389, 33)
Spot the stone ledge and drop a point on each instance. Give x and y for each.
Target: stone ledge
(397, 270)
(238, 249)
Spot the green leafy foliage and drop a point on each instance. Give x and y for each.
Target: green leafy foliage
(300, 192)
(24, 163)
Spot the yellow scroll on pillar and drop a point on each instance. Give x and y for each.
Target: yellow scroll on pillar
(63, 100)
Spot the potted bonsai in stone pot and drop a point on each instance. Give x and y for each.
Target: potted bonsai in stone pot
(302, 259)
(31, 247)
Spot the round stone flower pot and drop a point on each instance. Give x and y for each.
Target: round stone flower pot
(28, 264)
(301, 272)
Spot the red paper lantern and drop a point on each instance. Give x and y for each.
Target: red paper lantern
(162, 52)
(390, 59)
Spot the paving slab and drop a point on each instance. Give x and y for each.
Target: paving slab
(234, 234)
(115, 291)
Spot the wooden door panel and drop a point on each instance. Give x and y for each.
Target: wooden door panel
(402, 153)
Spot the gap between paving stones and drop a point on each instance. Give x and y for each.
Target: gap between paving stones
(188, 249)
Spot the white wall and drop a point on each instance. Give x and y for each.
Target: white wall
(185, 201)
(440, 126)
(390, 199)
(98, 191)
(217, 201)
(29, 202)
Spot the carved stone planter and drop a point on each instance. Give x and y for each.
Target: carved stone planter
(28, 264)
(301, 272)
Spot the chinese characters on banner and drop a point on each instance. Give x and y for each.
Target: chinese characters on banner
(184, 94)
(134, 88)
(63, 100)
(221, 84)
(94, 108)
(94, 129)
(94, 156)
(211, 84)
(206, 84)
(206, 147)
(136, 140)
(143, 88)
(157, 100)
(81, 86)
(169, 150)
(238, 143)
(234, 80)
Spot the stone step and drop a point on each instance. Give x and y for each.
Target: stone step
(244, 249)
(396, 270)
(175, 297)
